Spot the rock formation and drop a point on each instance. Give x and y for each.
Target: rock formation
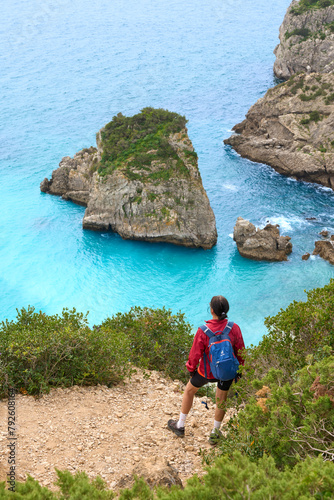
(156, 471)
(306, 40)
(261, 244)
(325, 248)
(291, 129)
(142, 181)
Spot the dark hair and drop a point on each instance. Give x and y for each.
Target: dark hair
(220, 306)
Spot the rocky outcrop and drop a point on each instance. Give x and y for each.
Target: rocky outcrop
(306, 42)
(261, 244)
(325, 248)
(291, 129)
(155, 471)
(142, 196)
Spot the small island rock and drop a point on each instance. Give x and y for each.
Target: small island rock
(142, 182)
(261, 244)
(306, 256)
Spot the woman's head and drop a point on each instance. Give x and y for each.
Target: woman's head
(219, 306)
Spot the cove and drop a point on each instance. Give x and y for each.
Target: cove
(67, 67)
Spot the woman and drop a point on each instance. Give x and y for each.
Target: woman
(201, 375)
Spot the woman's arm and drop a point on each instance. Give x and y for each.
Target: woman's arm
(196, 351)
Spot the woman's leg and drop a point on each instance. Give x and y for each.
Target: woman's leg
(221, 397)
(188, 397)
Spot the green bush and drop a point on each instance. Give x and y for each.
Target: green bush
(296, 421)
(39, 351)
(314, 116)
(158, 339)
(77, 487)
(234, 478)
(304, 328)
(134, 142)
(329, 99)
(304, 32)
(305, 5)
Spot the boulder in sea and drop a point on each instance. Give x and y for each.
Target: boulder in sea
(325, 249)
(261, 244)
(142, 182)
(324, 233)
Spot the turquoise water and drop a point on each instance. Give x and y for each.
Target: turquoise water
(66, 68)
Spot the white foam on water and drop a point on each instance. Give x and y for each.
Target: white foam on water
(229, 186)
(285, 223)
(231, 235)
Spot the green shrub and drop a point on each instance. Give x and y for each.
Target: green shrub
(305, 5)
(314, 116)
(329, 99)
(302, 329)
(296, 421)
(77, 487)
(311, 97)
(40, 351)
(134, 142)
(304, 32)
(297, 85)
(158, 339)
(234, 478)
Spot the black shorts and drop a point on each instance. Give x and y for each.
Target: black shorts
(198, 381)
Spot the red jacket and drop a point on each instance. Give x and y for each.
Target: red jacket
(201, 343)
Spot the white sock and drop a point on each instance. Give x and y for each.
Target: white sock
(216, 425)
(182, 420)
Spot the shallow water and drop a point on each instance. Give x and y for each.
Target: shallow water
(66, 68)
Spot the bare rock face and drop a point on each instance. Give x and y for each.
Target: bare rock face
(156, 199)
(155, 471)
(325, 248)
(306, 42)
(291, 129)
(261, 244)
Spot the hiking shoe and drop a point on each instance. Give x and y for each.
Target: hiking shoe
(173, 427)
(215, 437)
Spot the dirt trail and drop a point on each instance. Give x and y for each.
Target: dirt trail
(104, 431)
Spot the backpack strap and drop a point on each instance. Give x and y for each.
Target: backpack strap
(209, 333)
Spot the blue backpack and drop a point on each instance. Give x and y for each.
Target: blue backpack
(223, 362)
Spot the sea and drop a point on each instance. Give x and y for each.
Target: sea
(66, 68)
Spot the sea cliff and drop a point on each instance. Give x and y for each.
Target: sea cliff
(291, 129)
(306, 39)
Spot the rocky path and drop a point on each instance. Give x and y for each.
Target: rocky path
(105, 431)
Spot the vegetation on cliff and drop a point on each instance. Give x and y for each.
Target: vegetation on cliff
(280, 444)
(39, 351)
(305, 5)
(132, 143)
